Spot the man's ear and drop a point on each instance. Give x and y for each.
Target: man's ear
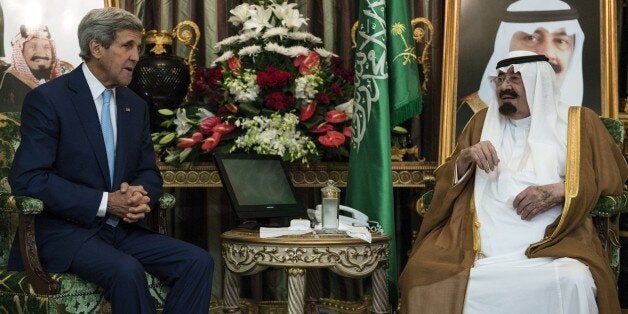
(96, 49)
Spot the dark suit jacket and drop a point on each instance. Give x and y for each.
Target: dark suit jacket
(62, 161)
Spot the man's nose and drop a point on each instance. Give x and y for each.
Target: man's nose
(135, 55)
(548, 50)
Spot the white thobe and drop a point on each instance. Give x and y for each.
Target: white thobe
(505, 280)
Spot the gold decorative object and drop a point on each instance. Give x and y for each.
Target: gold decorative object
(189, 34)
(407, 174)
(420, 25)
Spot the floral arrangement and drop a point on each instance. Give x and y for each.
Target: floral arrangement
(273, 89)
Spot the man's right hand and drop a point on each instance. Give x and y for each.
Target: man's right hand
(129, 203)
(482, 154)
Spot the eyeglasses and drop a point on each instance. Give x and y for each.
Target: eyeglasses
(512, 79)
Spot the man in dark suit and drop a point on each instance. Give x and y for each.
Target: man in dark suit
(86, 152)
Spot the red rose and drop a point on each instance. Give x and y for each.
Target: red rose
(307, 63)
(323, 97)
(336, 116)
(214, 74)
(347, 131)
(336, 89)
(273, 78)
(211, 142)
(278, 100)
(234, 64)
(332, 139)
(322, 128)
(200, 86)
(208, 124)
(307, 111)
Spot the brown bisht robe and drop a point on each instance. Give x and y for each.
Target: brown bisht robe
(436, 275)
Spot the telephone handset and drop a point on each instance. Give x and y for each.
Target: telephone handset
(346, 215)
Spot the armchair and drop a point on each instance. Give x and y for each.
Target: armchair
(34, 291)
(605, 213)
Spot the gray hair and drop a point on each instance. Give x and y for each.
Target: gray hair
(102, 25)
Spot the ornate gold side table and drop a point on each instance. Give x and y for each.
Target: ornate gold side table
(245, 253)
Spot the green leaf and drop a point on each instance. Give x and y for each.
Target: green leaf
(166, 123)
(184, 154)
(399, 130)
(248, 109)
(166, 112)
(167, 138)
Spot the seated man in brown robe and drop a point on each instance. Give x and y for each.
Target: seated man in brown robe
(509, 227)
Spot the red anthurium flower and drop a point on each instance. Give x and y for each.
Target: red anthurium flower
(223, 128)
(335, 116)
(307, 111)
(332, 139)
(307, 63)
(197, 136)
(211, 142)
(322, 128)
(186, 142)
(208, 124)
(234, 64)
(347, 131)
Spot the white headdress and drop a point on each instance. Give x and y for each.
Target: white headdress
(551, 15)
(546, 147)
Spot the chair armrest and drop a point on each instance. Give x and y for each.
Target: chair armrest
(28, 207)
(611, 205)
(166, 203)
(423, 203)
(21, 204)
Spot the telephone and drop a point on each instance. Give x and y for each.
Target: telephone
(346, 215)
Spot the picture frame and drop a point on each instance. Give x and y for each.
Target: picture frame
(39, 43)
(469, 33)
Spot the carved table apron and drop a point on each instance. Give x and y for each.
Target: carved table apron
(245, 253)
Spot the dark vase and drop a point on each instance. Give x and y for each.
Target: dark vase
(160, 77)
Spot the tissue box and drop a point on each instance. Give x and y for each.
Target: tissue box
(299, 224)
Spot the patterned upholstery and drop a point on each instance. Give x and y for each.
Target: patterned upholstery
(17, 295)
(605, 213)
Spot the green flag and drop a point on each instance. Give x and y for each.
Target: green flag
(387, 91)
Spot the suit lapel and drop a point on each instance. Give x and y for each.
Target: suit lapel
(88, 116)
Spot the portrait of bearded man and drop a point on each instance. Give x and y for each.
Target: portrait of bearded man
(34, 61)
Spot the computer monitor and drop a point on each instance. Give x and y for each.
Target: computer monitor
(258, 186)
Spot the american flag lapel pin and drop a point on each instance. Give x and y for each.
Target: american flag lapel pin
(127, 109)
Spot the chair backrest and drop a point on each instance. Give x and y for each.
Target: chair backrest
(9, 141)
(615, 128)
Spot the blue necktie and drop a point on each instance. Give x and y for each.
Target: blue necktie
(110, 147)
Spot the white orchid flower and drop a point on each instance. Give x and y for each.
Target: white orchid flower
(259, 20)
(183, 123)
(240, 14)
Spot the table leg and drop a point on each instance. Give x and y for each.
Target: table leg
(296, 290)
(380, 290)
(231, 292)
(313, 288)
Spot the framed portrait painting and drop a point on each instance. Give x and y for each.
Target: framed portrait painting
(39, 43)
(578, 36)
